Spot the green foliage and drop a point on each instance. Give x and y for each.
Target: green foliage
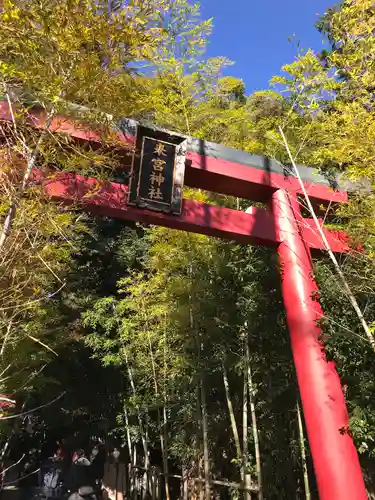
(84, 60)
(81, 52)
(176, 322)
(163, 313)
(334, 95)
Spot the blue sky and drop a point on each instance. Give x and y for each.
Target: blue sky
(254, 34)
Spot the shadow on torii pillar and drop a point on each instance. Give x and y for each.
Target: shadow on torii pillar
(161, 163)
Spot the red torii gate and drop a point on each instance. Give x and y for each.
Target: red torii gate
(227, 171)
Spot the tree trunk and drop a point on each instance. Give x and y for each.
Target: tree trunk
(163, 444)
(245, 440)
(146, 475)
(6, 338)
(231, 415)
(206, 462)
(162, 427)
(184, 484)
(128, 437)
(140, 422)
(255, 432)
(202, 394)
(202, 418)
(165, 423)
(197, 486)
(303, 454)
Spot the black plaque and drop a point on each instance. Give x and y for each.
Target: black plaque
(158, 171)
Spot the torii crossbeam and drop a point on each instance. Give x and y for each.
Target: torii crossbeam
(155, 198)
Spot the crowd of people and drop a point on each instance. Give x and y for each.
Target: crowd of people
(65, 475)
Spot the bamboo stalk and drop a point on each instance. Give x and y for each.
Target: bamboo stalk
(303, 454)
(245, 440)
(345, 285)
(31, 159)
(206, 463)
(255, 433)
(128, 437)
(162, 432)
(231, 414)
(140, 423)
(202, 393)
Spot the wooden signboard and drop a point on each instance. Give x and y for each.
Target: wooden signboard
(158, 171)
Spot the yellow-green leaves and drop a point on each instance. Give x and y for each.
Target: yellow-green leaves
(333, 94)
(78, 50)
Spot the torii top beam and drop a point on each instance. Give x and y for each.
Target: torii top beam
(225, 170)
(209, 166)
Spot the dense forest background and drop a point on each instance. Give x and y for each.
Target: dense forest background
(174, 345)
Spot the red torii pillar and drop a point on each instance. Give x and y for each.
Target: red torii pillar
(335, 458)
(235, 173)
